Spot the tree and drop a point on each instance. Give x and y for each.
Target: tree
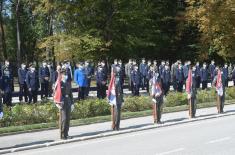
(2, 34)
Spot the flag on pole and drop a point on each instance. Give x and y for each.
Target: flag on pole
(57, 92)
(111, 91)
(219, 85)
(189, 82)
(156, 88)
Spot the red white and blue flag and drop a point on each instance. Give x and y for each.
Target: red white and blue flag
(219, 85)
(111, 91)
(57, 92)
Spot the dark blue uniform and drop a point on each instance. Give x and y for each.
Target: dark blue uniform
(89, 72)
(211, 71)
(198, 76)
(143, 74)
(32, 82)
(225, 74)
(101, 82)
(22, 83)
(204, 77)
(179, 79)
(166, 80)
(135, 78)
(7, 85)
(44, 75)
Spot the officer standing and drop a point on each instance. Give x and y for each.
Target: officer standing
(157, 94)
(128, 69)
(7, 83)
(166, 79)
(191, 90)
(119, 97)
(101, 80)
(225, 74)
(204, 76)
(51, 70)
(32, 82)
(67, 105)
(198, 75)
(211, 70)
(22, 83)
(186, 69)
(88, 71)
(155, 66)
(173, 74)
(44, 75)
(220, 83)
(180, 78)
(147, 76)
(143, 73)
(55, 74)
(161, 68)
(122, 73)
(135, 78)
(80, 77)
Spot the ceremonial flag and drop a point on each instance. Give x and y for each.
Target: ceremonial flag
(156, 88)
(57, 92)
(189, 82)
(219, 85)
(111, 91)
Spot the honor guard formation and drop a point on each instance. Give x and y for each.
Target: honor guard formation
(157, 78)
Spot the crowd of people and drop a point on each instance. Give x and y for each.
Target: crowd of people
(155, 79)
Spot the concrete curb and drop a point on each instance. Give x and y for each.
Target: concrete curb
(113, 133)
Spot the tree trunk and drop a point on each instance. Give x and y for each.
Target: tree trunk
(18, 33)
(2, 35)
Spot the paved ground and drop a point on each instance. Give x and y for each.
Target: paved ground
(27, 139)
(215, 137)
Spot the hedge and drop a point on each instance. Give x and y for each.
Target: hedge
(24, 114)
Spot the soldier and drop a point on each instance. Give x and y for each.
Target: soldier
(198, 75)
(225, 74)
(116, 108)
(135, 77)
(211, 70)
(191, 90)
(67, 105)
(220, 82)
(204, 76)
(122, 73)
(22, 83)
(166, 79)
(80, 78)
(143, 73)
(161, 68)
(7, 83)
(180, 78)
(128, 69)
(44, 75)
(32, 81)
(157, 95)
(233, 75)
(89, 71)
(101, 80)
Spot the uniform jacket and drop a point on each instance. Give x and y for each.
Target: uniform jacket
(179, 75)
(43, 73)
(204, 74)
(32, 80)
(143, 69)
(22, 75)
(166, 76)
(135, 77)
(101, 75)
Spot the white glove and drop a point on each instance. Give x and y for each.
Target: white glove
(72, 107)
(1, 115)
(58, 106)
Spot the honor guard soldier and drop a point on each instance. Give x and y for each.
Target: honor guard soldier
(116, 108)
(7, 83)
(204, 76)
(128, 69)
(180, 78)
(191, 90)
(44, 75)
(143, 73)
(157, 94)
(225, 74)
(67, 104)
(135, 78)
(233, 75)
(211, 70)
(166, 79)
(22, 83)
(219, 83)
(89, 72)
(32, 81)
(80, 78)
(101, 80)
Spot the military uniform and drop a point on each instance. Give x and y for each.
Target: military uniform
(7, 85)
(192, 96)
(211, 71)
(44, 75)
(179, 79)
(101, 81)
(143, 74)
(65, 111)
(198, 76)
(128, 69)
(32, 81)
(225, 74)
(204, 77)
(166, 80)
(22, 83)
(173, 75)
(135, 78)
(88, 71)
(157, 95)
